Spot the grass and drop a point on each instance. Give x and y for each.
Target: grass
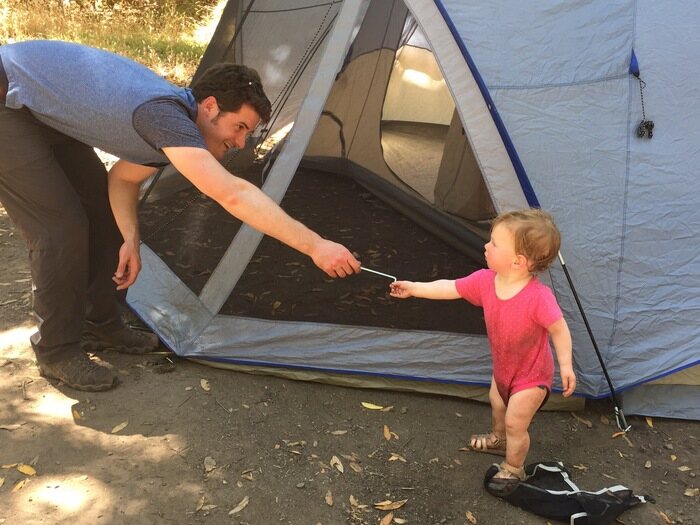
(168, 36)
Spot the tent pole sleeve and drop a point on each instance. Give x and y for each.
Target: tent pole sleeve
(619, 414)
(233, 263)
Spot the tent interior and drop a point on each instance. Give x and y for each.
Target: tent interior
(387, 170)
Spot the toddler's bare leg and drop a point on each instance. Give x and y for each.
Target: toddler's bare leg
(521, 408)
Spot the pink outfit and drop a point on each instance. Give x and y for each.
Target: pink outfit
(517, 331)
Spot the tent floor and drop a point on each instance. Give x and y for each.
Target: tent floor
(280, 283)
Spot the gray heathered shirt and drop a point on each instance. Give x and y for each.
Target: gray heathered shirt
(101, 99)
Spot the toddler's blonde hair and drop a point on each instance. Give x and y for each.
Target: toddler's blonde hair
(536, 236)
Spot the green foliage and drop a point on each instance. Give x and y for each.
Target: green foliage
(163, 35)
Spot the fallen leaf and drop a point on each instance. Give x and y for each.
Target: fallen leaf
(2, 481)
(329, 498)
(387, 433)
(9, 465)
(209, 464)
(372, 406)
(76, 414)
(395, 457)
(581, 467)
(647, 464)
(674, 457)
(688, 492)
(243, 504)
(386, 520)
(20, 485)
(207, 508)
(617, 434)
(335, 462)
(387, 409)
(649, 422)
(12, 427)
(604, 420)
(353, 501)
(205, 385)
(26, 469)
(390, 505)
(665, 517)
(684, 468)
(339, 432)
(356, 467)
(584, 421)
(200, 504)
(471, 518)
(400, 521)
(120, 427)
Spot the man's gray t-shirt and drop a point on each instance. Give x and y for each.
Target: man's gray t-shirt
(101, 99)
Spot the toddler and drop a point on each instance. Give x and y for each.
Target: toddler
(521, 314)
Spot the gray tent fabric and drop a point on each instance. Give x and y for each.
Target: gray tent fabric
(543, 96)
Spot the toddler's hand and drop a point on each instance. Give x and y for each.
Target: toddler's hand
(400, 289)
(568, 381)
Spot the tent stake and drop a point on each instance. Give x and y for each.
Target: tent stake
(619, 414)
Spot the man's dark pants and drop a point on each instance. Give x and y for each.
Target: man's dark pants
(54, 189)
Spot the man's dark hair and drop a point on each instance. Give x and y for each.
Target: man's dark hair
(233, 85)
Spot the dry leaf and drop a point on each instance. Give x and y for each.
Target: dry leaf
(354, 501)
(387, 433)
(388, 409)
(371, 406)
(665, 517)
(581, 467)
(584, 421)
(10, 465)
(471, 518)
(205, 385)
(247, 475)
(399, 457)
(2, 481)
(335, 462)
(688, 492)
(400, 521)
(674, 457)
(12, 427)
(684, 468)
(209, 464)
(649, 422)
(200, 504)
(20, 485)
(617, 434)
(356, 467)
(386, 520)
(647, 464)
(339, 432)
(26, 469)
(76, 414)
(604, 420)
(120, 427)
(243, 504)
(390, 505)
(207, 508)
(329, 498)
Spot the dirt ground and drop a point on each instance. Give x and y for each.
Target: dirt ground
(202, 445)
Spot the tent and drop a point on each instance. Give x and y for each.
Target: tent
(401, 127)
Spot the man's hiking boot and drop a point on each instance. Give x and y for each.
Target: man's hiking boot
(80, 372)
(121, 339)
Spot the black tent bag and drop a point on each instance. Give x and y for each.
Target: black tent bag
(549, 491)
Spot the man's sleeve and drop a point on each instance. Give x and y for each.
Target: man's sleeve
(167, 123)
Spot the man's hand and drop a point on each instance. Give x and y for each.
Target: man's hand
(334, 259)
(129, 266)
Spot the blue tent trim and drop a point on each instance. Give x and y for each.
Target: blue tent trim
(510, 148)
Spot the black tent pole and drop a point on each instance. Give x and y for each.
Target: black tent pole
(619, 414)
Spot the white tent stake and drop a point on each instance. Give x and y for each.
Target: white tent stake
(378, 273)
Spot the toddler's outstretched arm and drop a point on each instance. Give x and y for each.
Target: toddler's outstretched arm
(442, 289)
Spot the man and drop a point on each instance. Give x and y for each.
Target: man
(58, 100)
